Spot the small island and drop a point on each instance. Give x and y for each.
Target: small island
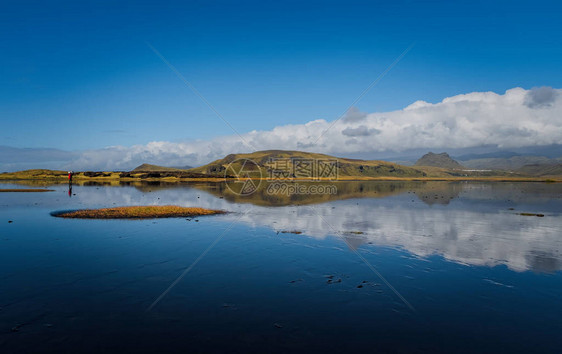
(137, 212)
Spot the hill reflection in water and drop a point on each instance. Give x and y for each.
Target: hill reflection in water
(476, 224)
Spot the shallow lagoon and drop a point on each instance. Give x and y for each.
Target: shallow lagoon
(476, 273)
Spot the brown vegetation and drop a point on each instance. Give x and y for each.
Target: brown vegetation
(532, 214)
(138, 212)
(22, 190)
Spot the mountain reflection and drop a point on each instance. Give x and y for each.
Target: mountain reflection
(475, 224)
(428, 192)
(479, 229)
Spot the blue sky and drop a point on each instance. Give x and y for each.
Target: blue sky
(79, 75)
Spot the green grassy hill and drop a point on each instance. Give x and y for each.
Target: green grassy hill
(146, 167)
(34, 174)
(291, 164)
(442, 160)
(265, 160)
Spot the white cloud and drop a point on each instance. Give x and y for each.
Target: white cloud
(516, 118)
(541, 97)
(360, 131)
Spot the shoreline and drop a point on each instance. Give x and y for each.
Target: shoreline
(77, 180)
(25, 190)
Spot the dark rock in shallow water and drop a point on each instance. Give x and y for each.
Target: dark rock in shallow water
(532, 214)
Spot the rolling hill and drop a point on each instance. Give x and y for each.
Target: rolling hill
(145, 167)
(346, 167)
(511, 163)
(299, 165)
(541, 170)
(442, 160)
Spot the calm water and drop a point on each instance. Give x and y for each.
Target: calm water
(468, 272)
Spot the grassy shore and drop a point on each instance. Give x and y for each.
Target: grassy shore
(138, 212)
(22, 190)
(109, 176)
(432, 174)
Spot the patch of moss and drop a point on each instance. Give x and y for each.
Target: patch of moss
(137, 212)
(532, 214)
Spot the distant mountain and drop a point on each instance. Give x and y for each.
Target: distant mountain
(489, 155)
(442, 160)
(541, 169)
(186, 167)
(509, 164)
(550, 151)
(145, 167)
(346, 167)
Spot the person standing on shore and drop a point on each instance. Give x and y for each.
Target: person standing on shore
(70, 173)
